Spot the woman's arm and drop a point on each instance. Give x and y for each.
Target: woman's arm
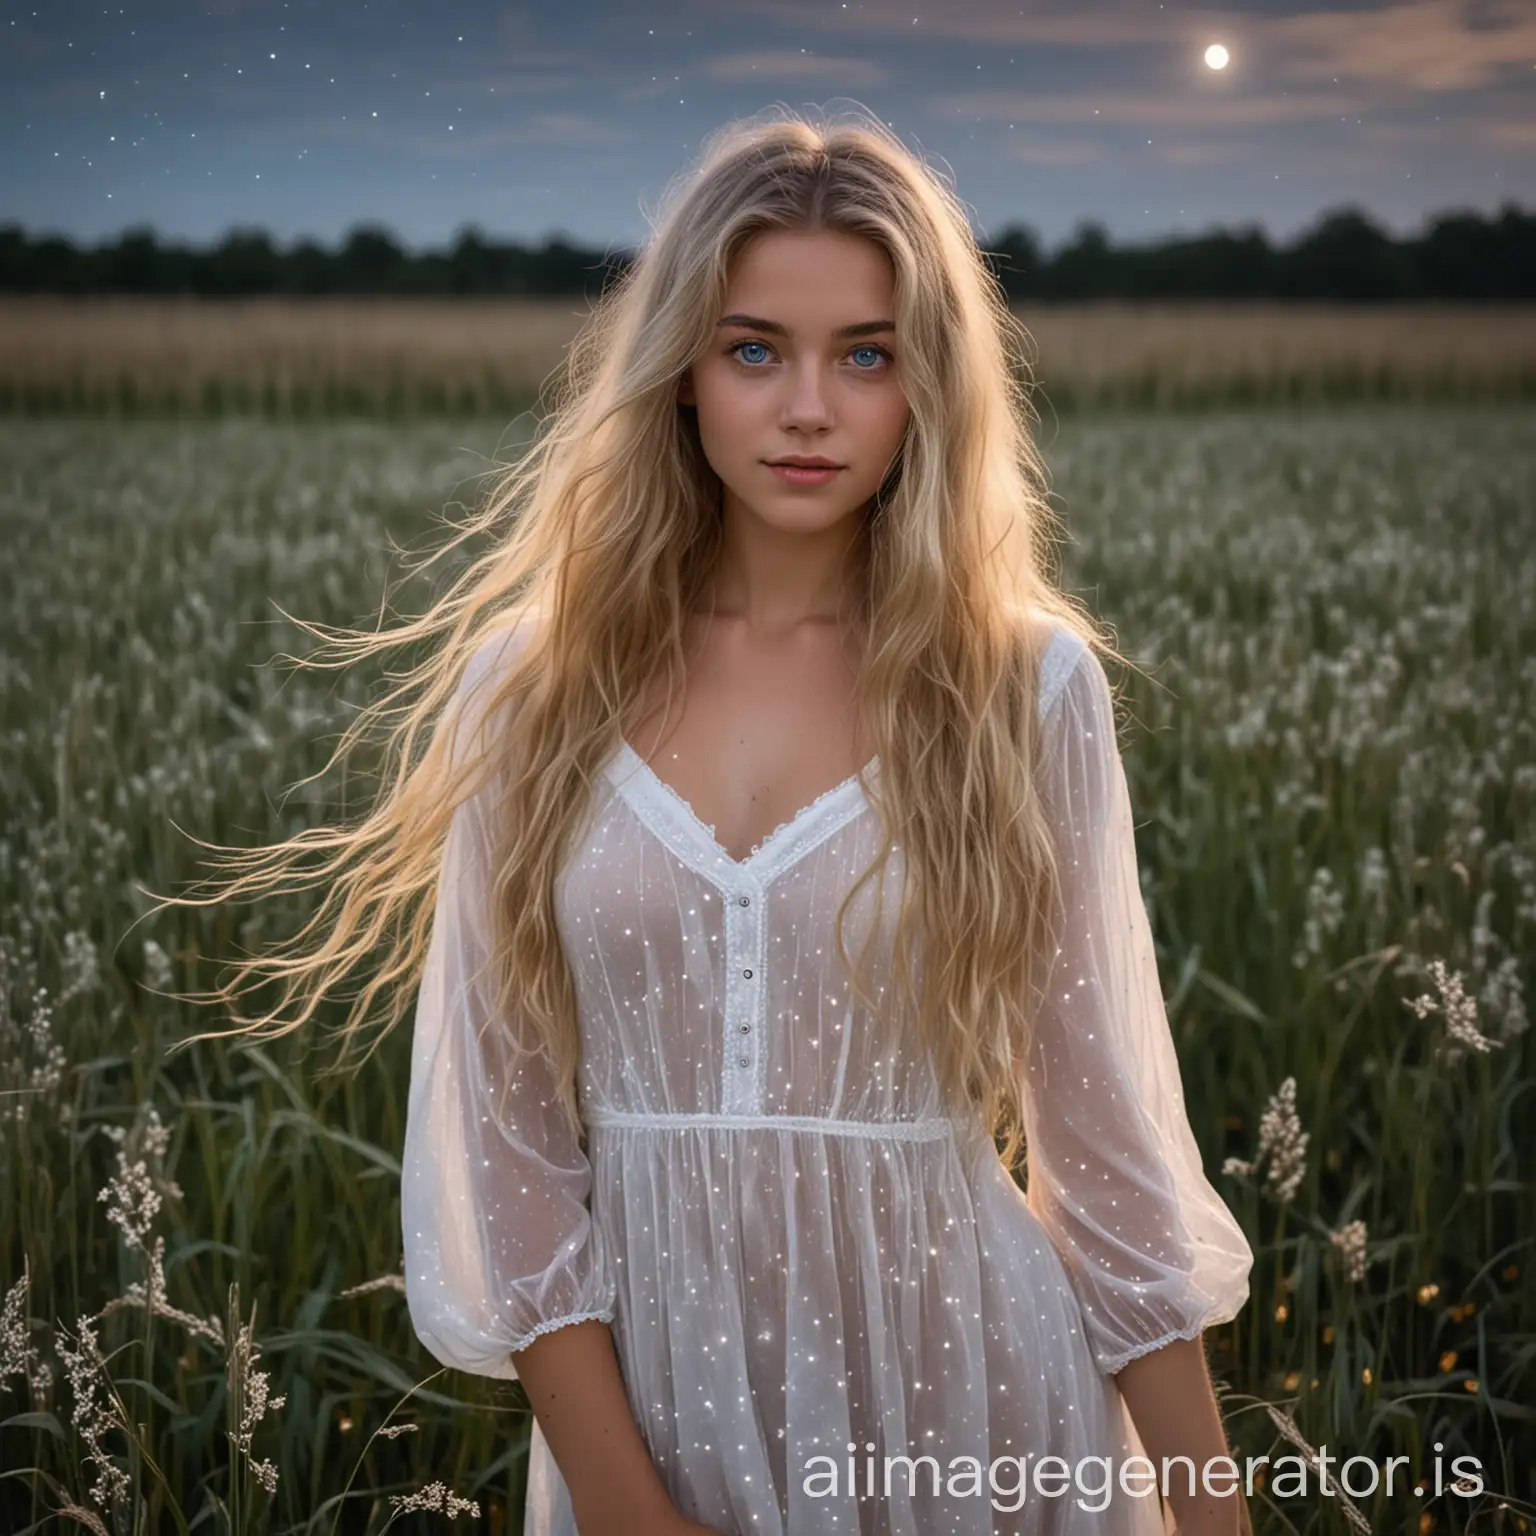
(1174, 1408)
(577, 1392)
(499, 1243)
(1114, 1172)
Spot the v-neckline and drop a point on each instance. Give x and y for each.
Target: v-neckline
(769, 848)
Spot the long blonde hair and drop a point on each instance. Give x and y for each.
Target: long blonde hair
(606, 532)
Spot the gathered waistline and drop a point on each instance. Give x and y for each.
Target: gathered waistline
(880, 1130)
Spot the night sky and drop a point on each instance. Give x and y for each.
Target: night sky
(305, 118)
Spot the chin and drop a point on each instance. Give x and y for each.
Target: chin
(802, 517)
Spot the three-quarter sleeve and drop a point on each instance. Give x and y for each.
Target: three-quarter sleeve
(1113, 1171)
(500, 1245)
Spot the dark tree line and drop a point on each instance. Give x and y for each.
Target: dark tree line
(1345, 256)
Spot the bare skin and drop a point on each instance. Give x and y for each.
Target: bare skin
(1175, 1411)
(577, 1393)
(766, 726)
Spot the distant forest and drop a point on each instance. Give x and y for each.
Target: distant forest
(1344, 257)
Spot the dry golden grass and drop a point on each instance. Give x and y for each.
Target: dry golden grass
(1272, 351)
(323, 357)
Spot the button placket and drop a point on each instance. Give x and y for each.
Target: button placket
(743, 998)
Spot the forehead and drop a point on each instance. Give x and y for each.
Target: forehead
(817, 280)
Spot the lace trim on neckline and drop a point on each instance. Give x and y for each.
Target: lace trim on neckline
(804, 814)
(694, 841)
(806, 810)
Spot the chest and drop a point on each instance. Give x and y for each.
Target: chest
(704, 982)
(760, 731)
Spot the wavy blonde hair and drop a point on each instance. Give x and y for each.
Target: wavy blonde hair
(607, 531)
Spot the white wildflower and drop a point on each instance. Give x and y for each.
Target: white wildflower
(1350, 1240)
(1374, 881)
(19, 1356)
(81, 966)
(93, 1415)
(38, 1065)
(250, 1387)
(1282, 1145)
(1325, 911)
(153, 1298)
(133, 1200)
(136, 1194)
(1503, 996)
(1498, 985)
(157, 967)
(1458, 1010)
(1250, 729)
(154, 1135)
(437, 1498)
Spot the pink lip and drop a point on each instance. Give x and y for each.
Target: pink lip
(805, 474)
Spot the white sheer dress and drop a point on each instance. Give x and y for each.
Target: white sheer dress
(799, 1255)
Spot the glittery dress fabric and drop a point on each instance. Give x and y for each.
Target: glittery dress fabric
(799, 1254)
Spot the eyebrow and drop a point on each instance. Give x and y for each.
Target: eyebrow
(755, 323)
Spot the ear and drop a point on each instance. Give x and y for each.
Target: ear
(685, 394)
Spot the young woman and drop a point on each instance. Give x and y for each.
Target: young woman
(726, 1196)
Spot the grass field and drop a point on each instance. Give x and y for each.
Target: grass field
(1334, 784)
(319, 359)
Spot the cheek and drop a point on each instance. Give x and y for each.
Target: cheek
(888, 416)
(722, 397)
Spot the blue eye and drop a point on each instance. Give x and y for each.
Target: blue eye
(737, 350)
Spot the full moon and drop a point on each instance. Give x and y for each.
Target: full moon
(1216, 56)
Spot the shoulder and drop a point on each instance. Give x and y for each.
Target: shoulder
(1064, 658)
(497, 652)
(1062, 661)
(495, 655)
(493, 658)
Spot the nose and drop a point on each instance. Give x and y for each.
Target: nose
(806, 404)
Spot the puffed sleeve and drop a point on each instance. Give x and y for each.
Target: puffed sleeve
(499, 1242)
(1113, 1171)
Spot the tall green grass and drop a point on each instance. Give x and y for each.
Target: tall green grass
(1332, 769)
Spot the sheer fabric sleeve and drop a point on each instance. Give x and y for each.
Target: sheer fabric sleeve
(500, 1246)
(1113, 1171)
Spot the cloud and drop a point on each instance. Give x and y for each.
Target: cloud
(976, 21)
(545, 131)
(1051, 152)
(1514, 133)
(1145, 110)
(1413, 45)
(1431, 45)
(1218, 152)
(795, 64)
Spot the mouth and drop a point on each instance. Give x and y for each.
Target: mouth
(806, 475)
(795, 463)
